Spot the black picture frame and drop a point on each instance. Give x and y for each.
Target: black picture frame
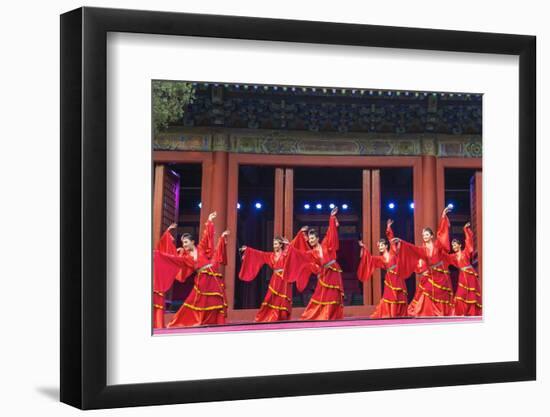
(84, 207)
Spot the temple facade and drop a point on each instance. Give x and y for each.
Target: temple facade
(289, 137)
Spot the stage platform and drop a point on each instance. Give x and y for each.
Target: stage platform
(302, 324)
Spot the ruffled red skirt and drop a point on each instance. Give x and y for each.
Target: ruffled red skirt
(327, 301)
(277, 304)
(206, 303)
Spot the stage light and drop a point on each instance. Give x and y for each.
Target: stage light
(200, 205)
(345, 206)
(307, 206)
(391, 206)
(318, 206)
(331, 205)
(411, 206)
(451, 206)
(238, 206)
(258, 205)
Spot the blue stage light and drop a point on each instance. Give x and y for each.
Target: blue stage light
(345, 206)
(318, 206)
(307, 206)
(200, 205)
(451, 206)
(238, 205)
(331, 205)
(411, 206)
(258, 205)
(391, 205)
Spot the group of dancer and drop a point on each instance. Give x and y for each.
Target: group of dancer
(306, 255)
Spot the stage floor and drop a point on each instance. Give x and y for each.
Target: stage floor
(302, 324)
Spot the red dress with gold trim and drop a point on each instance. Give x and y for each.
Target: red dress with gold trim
(398, 266)
(467, 301)
(434, 294)
(327, 301)
(277, 304)
(206, 303)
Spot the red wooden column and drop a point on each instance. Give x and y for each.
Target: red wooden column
(232, 174)
(289, 204)
(375, 232)
(429, 192)
(366, 230)
(158, 197)
(218, 187)
(279, 203)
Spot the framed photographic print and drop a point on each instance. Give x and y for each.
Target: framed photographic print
(257, 208)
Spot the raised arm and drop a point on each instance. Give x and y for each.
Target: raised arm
(300, 240)
(166, 243)
(390, 236)
(253, 260)
(368, 263)
(206, 243)
(468, 240)
(331, 238)
(220, 253)
(442, 237)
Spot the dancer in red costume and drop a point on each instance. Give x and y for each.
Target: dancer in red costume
(206, 303)
(399, 266)
(277, 304)
(327, 301)
(434, 294)
(467, 301)
(162, 282)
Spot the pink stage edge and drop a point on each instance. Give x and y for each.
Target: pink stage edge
(358, 322)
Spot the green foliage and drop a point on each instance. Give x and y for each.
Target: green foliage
(170, 98)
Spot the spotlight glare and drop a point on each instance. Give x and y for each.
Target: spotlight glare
(318, 206)
(411, 205)
(451, 205)
(258, 205)
(391, 206)
(200, 205)
(307, 206)
(331, 205)
(238, 205)
(345, 206)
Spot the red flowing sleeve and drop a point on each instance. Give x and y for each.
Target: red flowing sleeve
(206, 243)
(442, 238)
(253, 260)
(408, 257)
(390, 236)
(298, 267)
(220, 254)
(300, 241)
(468, 241)
(165, 268)
(331, 238)
(166, 243)
(367, 264)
